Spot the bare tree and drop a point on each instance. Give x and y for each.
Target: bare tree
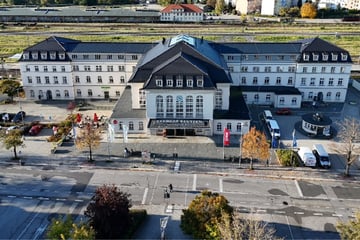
(255, 146)
(89, 138)
(237, 227)
(348, 146)
(13, 140)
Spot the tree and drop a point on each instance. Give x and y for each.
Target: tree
(349, 136)
(89, 138)
(13, 140)
(219, 6)
(237, 228)
(211, 3)
(10, 87)
(203, 213)
(108, 212)
(255, 146)
(308, 10)
(67, 229)
(350, 229)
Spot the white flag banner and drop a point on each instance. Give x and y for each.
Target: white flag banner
(111, 131)
(125, 133)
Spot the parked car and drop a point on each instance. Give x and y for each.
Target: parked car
(19, 117)
(35, 130)
(283, 111)
(9, 129)
(25, 129)
(7, 117)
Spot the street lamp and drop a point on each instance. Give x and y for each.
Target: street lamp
(240, 141)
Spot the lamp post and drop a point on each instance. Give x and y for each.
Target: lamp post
(240, 142)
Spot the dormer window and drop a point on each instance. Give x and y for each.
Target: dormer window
(34, 55)
(169, 81)
(52, 55)
(315, 57)
(159, 81)
(325, 57)
(62, 56)
(199, 82)
(26, 55)
(43, 55)
(189, 82)
(344, 57)
(334, 56)
(306, 57)
(179, 82)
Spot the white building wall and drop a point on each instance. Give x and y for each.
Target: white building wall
(225, 88)
(268, 7)
(220, 124)
(55, 80)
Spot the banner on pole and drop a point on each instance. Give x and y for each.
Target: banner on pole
(294, 144)
(125, 133)
(226, 137)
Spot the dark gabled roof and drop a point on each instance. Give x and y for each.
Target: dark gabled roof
(237, 106)
(257, 48)
(111, 47)
(123, 108)
(195, 46)
(318, 46)
(278, 90)
(53, 43)
(182, 55)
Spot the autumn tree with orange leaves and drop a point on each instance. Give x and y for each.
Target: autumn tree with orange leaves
(308, 10)
(255, 146)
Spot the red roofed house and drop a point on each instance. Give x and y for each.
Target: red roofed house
(182, 13)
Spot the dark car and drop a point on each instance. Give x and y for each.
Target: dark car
(19, 117)
(283, 111)
(25, 129)
(7, 117)
(35, 130)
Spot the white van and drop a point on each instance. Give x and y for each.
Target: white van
(267, 115)
(307, 157)
(322, 157)
(273, 128)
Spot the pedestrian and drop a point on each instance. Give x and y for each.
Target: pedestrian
(171, 187)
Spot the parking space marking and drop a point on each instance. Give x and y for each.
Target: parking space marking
(144, 196)
(299, 213)
(221, 185)
(194, 182)
(298, 188)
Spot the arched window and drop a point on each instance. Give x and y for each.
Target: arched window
(238, 127)
(199, 106)
(159, 106)
(189, 106)
(228, 126)
(219, 127)
(294, 101)
(78, 92)
(337, 95)
(131, 126)
(66, 93)
(282, 101)
(179, 106)
(169, 106)
(57, 93)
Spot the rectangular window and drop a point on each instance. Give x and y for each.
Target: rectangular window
(334, 56)
(244, 69)
(36, 68)
(279, 69)
(45, 68)
(63, 68)
(323, 69)
(88, 79)
(87, 68)
(98, 68)
(47, 80)
(38, 80)
(321, 82)
(306, 57)
(312, 82)
(121, 68)
(159, 82)
(278, 80)
(121, 57)
(291, 69)
(290, 81)
(315, 57)
(332, 70)
(97, 56)
(109, 57)
(64, 80)
(56, 81)
(117, 93)
(179, 82)
(189, 83)
(255, 81)
(54, 68)
(199, 83)
(256, 69)
(266, 80)
(110, 68)
(303, 82)
(85, 57)
(268, 58)
(99, 79)
(267, 69)
(74, 56)
(304, 69)
(134, 57)
(340, 82)
(313, 69)
(111, 79)
(243, 80)
(344, 56)
(331, 81)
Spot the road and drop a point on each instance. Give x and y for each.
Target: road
(298, 209)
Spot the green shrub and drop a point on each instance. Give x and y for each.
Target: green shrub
(287, 158)
(138, 216)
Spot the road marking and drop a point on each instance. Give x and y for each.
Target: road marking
(280, 212)
(221, 185)
(155, 184)
(26, 197)
(318, 214)
(194, 182)
(261, 210)
(61, 199)
(337, 215)
(27, 226)
(299, 213)
(289, 226)
(11, 196)
(43, 198)
(187, 187)
(144, 196)
(40, 230)
(79, 200)
(298, 188)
